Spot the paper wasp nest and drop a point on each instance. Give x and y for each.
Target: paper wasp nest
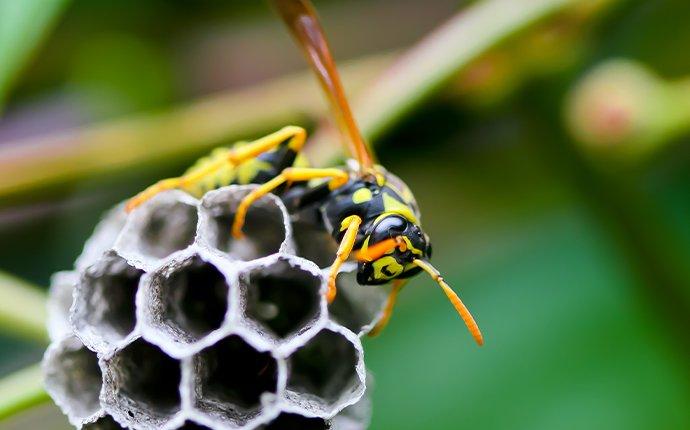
(167, 322)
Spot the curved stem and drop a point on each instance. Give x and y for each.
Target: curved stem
(423, 70)
(22, 308)
(22, 390)
(35, 163)
(416, 77)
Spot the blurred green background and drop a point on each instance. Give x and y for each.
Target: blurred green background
(571, 247)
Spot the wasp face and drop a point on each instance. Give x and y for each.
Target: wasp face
(407, 243)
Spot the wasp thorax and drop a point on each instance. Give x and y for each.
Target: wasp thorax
(203, 332)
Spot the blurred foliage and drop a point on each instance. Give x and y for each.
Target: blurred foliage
(623, 111)
(9, 387)
(576, 267)
(22, 24)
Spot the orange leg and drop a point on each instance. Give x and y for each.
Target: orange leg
(352, 224)
(398, 285)
(295, 135)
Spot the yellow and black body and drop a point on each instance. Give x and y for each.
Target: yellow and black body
(370, 212)
(256, 170)
(385, 205)
(387, 209)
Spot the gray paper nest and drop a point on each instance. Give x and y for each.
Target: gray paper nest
(166, 322)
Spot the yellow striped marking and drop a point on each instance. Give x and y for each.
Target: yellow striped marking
(392, 205)
(362, 195)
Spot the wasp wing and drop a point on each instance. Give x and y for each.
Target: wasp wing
(301, 19)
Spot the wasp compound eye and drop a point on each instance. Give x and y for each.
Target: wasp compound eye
(389, 227)
(208, 337)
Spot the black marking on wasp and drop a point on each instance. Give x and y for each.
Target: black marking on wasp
(368, 211)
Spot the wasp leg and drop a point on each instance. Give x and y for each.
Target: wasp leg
(398, 285)
(352, 224)
(291, 174)
(295, 137)
(158, 187)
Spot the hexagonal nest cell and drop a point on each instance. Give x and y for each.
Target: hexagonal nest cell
(73, 378)
(324, 368)
(142, 385)
(232, 380)
(163, 225)
(281, 298)
(187, 300)
(104, 306)
(288, 421)
(175, 325)
(264, 229)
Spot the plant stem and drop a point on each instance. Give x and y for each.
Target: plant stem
(426, 68)
(417, 76)
(21, 390)
(117, 145)
(441, 55)
(22, 309)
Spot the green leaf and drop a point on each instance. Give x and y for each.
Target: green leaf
(23, 23)
(21, 390)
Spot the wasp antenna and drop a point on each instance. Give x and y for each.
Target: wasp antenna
(454, 299)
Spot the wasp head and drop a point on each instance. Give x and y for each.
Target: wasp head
(390, 250)
(397, 248)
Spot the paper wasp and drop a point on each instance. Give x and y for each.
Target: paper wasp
(371, 213)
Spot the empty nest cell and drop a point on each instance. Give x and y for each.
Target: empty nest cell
(187, 300)
(185, 306)
(264, 229)
(73, 378)
(142, 381)
(104, 306)
(282, 298)
(231, 378)
(326, 367)
(163, 225)
(314, 243)
(289, 421)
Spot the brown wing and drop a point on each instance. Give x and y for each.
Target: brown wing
(301, 19)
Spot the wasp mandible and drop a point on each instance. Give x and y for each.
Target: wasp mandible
(371, 213)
